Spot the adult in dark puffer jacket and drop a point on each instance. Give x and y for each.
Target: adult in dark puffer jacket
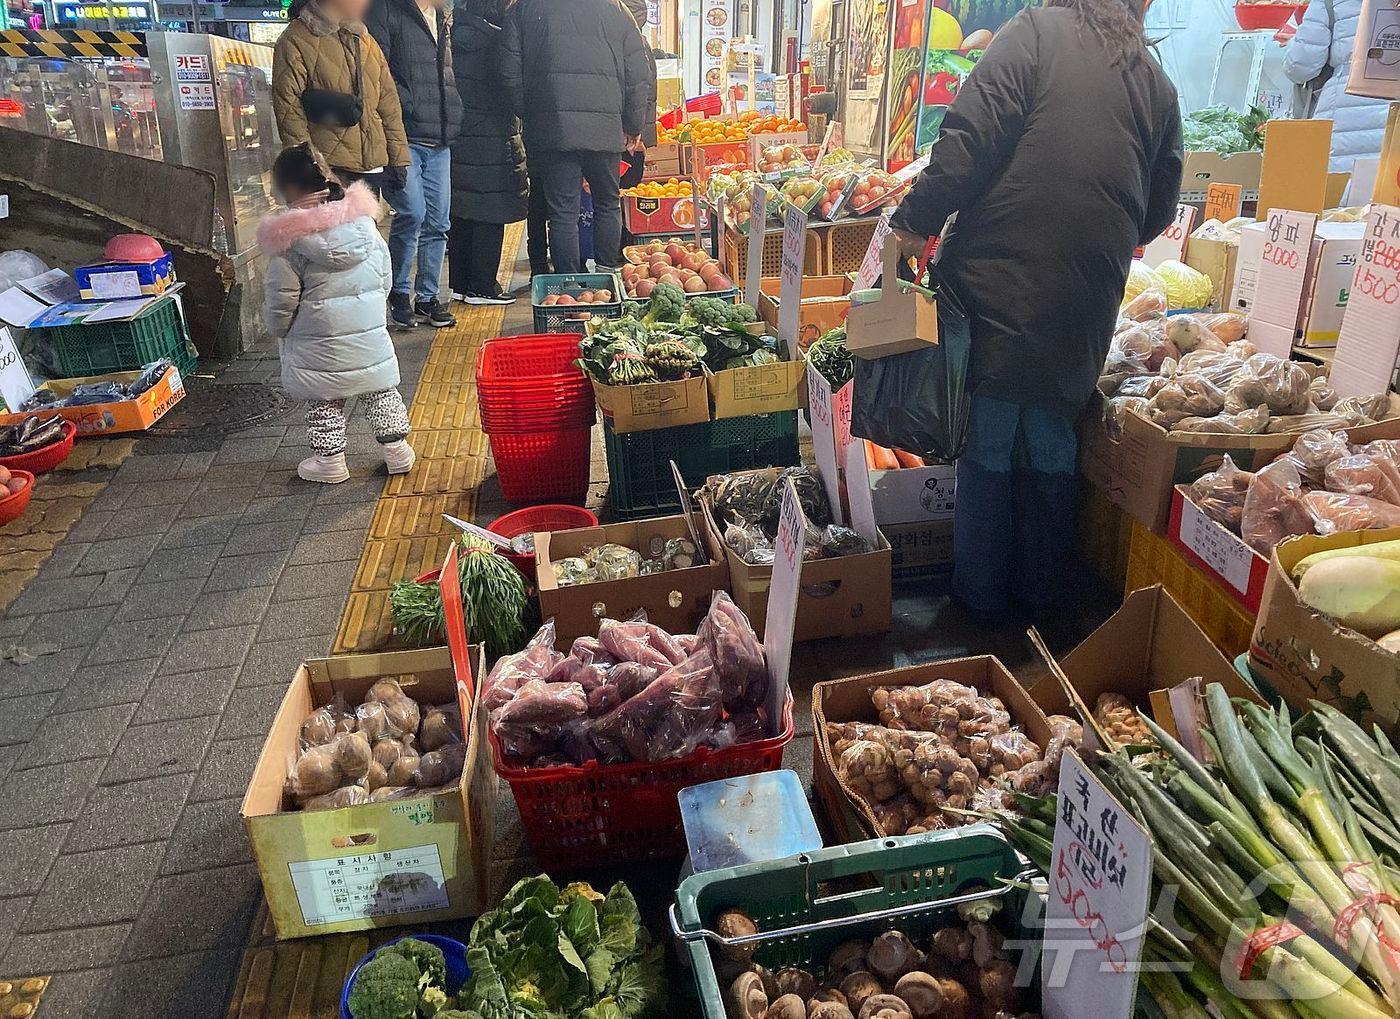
(489, 185)
(415, 38)
(576, 73)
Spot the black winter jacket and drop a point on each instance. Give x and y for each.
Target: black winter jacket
(1058, 164)
(576, 73)
(489, 184)
(422, 69)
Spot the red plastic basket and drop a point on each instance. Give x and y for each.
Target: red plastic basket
(13, 505)
(535, 467)
(1252, 17)
(506, 361)
(601, 814)
(503, 422)
(539, 518)
(41, 461)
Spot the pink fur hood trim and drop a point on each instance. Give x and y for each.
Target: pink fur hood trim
(281, 230)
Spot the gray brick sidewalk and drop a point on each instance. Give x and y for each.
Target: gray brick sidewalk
(182, 600)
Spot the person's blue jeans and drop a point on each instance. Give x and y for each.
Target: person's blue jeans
(1013, 526)
(420, 223)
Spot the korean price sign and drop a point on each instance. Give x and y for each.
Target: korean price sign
(1223, 201)
(1171, 244)
(1283, 266)
(1221, 550)
(870, 265)
(1368, 345)
(1096, 909)
(783, 593)
(758, 217)
(790, 290)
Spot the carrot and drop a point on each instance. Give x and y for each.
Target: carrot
(908, 459)
(879, 458)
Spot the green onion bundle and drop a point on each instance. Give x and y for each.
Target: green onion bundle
(494, 602)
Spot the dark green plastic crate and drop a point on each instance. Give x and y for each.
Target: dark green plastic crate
(553, 318)
(107, 347)
(639, 463)
(842, 882)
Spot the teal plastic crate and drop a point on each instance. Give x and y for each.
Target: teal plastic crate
(80, 351)
(639, 463)
(809, 904)
(556, 319)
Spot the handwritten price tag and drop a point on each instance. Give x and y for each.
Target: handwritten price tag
(15, 384)
(781, 620)
(790, 291)
(820, 400)
(1172, 242)
(1283, 265)
(873, 261)
(758, 217)
(1222, 551)
(1096, 909)
(1223, 201)
(1369, 343)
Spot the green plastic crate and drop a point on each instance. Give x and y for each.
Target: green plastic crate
(843, 890)
(553, 318)
(107, 347)
(639, 463)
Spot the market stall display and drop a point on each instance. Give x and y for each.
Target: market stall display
(679, 263)
(746, 507)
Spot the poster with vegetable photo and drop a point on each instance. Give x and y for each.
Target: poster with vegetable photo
(902, 97)
(959, 31)
(865, 70)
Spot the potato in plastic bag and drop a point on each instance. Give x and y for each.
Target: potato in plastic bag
(440, 767)
(327, 722)
(401, 771)
(441, 725)
(346, 796)
(1219, 368)
(402, 711)
(1220, 494)
(1183, 397)
(314, 772)
(1321, 393)
(352, 755)
(1314, 450)
(1253, 421)
(1362, 474)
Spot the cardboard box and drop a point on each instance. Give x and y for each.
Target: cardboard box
(1205, 168)
(1375, 67)
(706, 157)
(762, 389)
(848, 700)
(120, 416)
(662, 215)
(663, 161)
(1305, 656)
(106, 281)
(675, 600)
(919, 549)
(903, 319)
(654, 405)
(825, 302)
(1217, 260)
(1142, 651)
(1137, 470)
(410, 861)
(911, 494)
(1217, 551)
(840, 597)
(1326, 293)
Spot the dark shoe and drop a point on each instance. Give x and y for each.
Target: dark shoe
(495, 296)
(401, 311)
(434, 314)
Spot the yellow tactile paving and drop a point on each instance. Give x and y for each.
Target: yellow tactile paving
(414, 517)
(449, 443)
(387, 562)
(368, 624)
(438, 477)
(445, 406)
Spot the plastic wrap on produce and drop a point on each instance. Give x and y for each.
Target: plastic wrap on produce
(1221, 494)
(1335, 511)
(1275, 508)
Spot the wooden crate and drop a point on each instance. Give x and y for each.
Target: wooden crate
(735, 256)
(846, 244)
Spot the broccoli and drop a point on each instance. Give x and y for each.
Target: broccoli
(716, 313)
(426, 956)
(744, 314)
(631, 309)
(667, 304)
(386, 987)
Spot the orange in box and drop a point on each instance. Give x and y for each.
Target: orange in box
(705, 157)
(119, 416)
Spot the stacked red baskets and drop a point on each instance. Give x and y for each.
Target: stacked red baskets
(537, 410)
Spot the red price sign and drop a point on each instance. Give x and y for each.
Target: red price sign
(1369, 342)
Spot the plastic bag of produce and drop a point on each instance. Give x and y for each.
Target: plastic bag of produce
(1220, 494)
(919, 400)
(1266, 379)
(737, 655)
(636, 640)
(1220, 369)
(1184, 286)
(1116, 411)
(1245, 422)
(1140, 278)
(1188, 333)
(670, 718)
(1227, 326)
(1336, 511)
(1321, 393)
(1363, 474)
(1186, 396)
(537, 717)
(1314, 450)
(1275, 509)
(512, 672)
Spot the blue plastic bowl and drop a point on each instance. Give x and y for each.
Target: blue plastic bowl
(453, 951)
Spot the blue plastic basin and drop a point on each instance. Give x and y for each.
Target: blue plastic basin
(453, 951)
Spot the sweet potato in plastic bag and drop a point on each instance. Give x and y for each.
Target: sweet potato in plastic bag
(1150, 304)
(638, 641)
(576, 670)
(1321, 393)
(537, 716)
(631, 678)
(512, 672)
(1363, 474)
(590, 649)
(1284, 383)
(1245, 422)
(1219, 369)
(1336, 511)
(670, 718)
(1289, 423)
(1274, 509)
(736, 653)
(1314, 450)
(1220, 494)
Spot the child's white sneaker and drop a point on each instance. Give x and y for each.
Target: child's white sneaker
(399, 456)
(327, 470)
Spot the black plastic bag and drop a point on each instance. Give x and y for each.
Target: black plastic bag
(919, 401)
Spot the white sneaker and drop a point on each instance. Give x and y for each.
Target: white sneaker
(326, 470)
(399, 456)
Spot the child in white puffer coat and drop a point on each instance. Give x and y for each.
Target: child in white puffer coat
(326, 285)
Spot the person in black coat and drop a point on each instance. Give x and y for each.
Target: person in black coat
(414, 35)
(489, 185)
(1060, 155)
(636, 161)
(576, 73)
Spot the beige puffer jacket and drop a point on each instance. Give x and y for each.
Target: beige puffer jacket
(317, 53)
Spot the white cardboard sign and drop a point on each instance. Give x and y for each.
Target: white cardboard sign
(873, 261)
(1369, 342)
(758, 218)
(1283, 266)
(858, 493)
(790, 292)
(821, 403)
(781, 620)
(1223, 552)
(1096, 909)
(1171, 242)
(15, 384)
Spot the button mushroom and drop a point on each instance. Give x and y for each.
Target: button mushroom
(827, 1009)
(789, 1006)
(746, 999)
(792, 980)
(859, 986)
(997, 982)
(847, 958)
(828, 994)
(952, 944)
(885, 1006)
(735, 923)
(770, 985)
(892, 955)
(929, 996)
(986, 944)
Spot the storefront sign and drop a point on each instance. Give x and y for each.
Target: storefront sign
(758, 219)
(1223, 202)
(15, 384)
(70, 13)
(790, 290)
(781, 621)
(715, 33)
(1283, 266)
(1096, 909)
(1171, 243)
(192, 67)
(1368, 345)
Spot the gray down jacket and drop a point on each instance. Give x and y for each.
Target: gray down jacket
(325, 288)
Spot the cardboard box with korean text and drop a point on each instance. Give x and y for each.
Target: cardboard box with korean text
(911, 494)
(903, 319)
(1306, 656)
(757, 389)
(848, 700)
(421, 858)
(663, 161)
(1217, 260)
(1202, 169)
(675, 600)
(1329, 285)
(120, 415)
(825, 301)
(921, 549)
(1144, 650)
(1215, 550)
(653, 405)
(1375, 66)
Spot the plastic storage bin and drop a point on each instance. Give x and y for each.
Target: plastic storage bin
(556, 319)
(80, 351)
(639, 468)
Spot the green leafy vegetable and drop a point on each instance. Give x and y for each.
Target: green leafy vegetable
(829, 356)
(494, 602)
(1221, 130)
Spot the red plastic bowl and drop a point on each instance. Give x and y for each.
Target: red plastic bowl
(552, 517)
(13, 505)
(1253, 17)
(133, 248)
(45, 459)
